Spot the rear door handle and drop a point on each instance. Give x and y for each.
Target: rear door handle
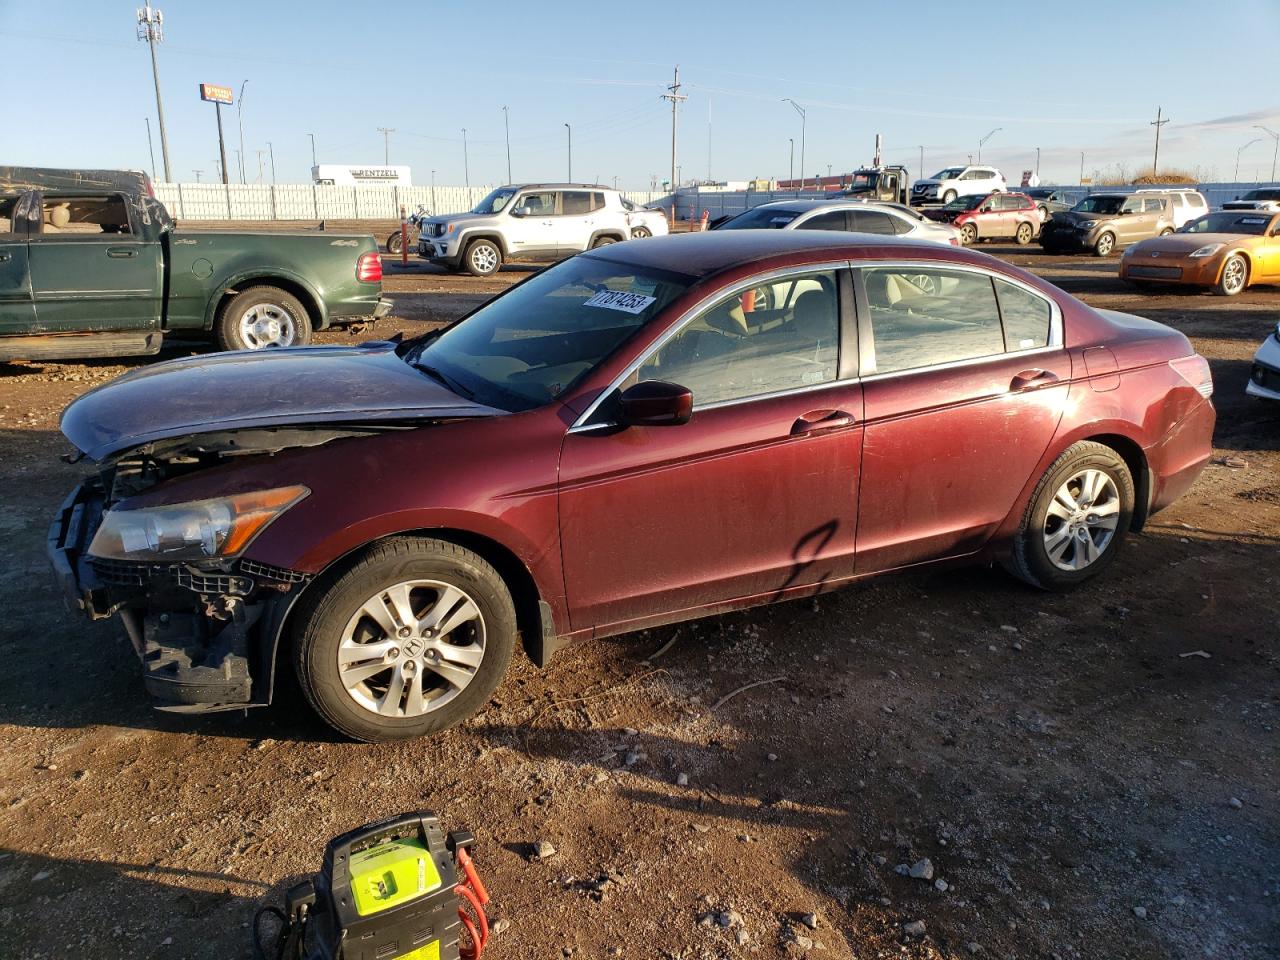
(1032, 380)
(121, 253)
(821, 421)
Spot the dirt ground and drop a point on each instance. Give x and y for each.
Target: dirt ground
(1092, 775)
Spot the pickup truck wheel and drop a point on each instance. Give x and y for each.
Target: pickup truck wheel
(1076, 520)
(639, 233)
(483, 258)
(409, 640)
(1023, 236)
(260, 318)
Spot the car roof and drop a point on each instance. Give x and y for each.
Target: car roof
(555, 186)
(804, 206)
(705, 253)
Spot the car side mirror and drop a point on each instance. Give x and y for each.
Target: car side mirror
(655, 403)
(519, 212)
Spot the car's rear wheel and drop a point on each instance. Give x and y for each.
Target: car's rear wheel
(948, 196)
(409, 640)
(1023, 236)
(1076, 520)
(640, 233)
(483, 258)
(1105, 244)
(603, 242)
(1235, 277)
(968, 234)
(261, 318)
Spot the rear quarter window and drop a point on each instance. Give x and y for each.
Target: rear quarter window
(1025, 315)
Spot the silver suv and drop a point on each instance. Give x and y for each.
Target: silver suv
(535, 221)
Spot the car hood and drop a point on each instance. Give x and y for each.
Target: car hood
(927, 182)
(366, 384)
(460, 218)
(1071, 216)
(1181, 244)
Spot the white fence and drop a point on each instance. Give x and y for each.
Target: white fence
(309, 201)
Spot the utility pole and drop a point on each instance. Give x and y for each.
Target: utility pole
(708, 139)
(803, 121)
(466, 168)
(1276, 150)
(1037, 162)
(386, 144)
(1157, 123)
(197, 173)
(569, 129)
(675, 96)
(272, 151)
(1236, 177)
(922, 161)
(151, 149)
(791, 167)
(985, 139)
(240, 120)
(313, 149)
(259, 153)
(506, 126)
(239, 162)
(1081, 166)
(433, 191)
(151, 29)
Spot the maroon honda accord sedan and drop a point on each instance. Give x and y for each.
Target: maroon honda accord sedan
(645, 433)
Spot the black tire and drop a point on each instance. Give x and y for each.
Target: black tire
(640, 233)
(948, 196)
(603, 242)
(1030, 560)
(1232, 282)
(331, 602)
(274, 304)
(482, 259)
(968, 234)
(1166, 231)
(393, 243)
(1024, 234)
(1105, 245)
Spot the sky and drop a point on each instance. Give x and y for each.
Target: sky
(1063, 77)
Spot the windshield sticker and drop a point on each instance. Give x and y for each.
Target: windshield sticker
(617, 300)
(781, 219)
(1251, 220)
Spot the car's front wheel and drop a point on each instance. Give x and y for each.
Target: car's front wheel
(948, 196)
(483, 258)
(968, 234)
(1023, 236)
(410, 639)
(1077, 517)
(1235, 277)
(1104, 245)
(261, 318)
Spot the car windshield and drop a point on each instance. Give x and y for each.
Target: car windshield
(1229, 222)
(863, 178)
(768, 218)
(1099, 205)
(1037, 194)
(948, 174)
(495, 201)
(530, 345)
(1262, 195)
(965, 203)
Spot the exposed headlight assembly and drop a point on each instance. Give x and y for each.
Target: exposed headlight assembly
(1208, 250)
(196, 530)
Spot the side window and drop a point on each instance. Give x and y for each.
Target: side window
(1026, 317)
(834, 220)
(871, 221)
(597, 201)
(537, 204)
(575, 203)
(1010, 203)
(719, 356)
(972, 175)
(1152, 205)
(1178, 200)
(1132, 205)
(900, 226)
(7, 216)
(85, 215)
(921, 317)
(1195, 200)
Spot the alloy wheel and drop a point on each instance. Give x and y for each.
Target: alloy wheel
(267, 325)
(484, 258)
(411, 648)
(1081, 520)
(1233, 275)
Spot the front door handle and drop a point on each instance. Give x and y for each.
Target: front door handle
(1032, 380)
(821, 421)
(121, 253)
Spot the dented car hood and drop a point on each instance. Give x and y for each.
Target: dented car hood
(366, 384)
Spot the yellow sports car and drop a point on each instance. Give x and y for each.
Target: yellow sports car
(1226, 251)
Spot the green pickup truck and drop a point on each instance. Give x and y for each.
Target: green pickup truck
(91, 265)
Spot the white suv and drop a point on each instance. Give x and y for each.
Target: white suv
(535, 221)
(1186, 205)
(945, 185)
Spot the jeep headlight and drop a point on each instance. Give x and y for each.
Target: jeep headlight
(195, 530)
(1208, 250)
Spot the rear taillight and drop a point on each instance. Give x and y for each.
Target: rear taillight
(1195, 370)
(369, 268)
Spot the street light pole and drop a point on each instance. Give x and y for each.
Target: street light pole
(386, 144)
(985, 139)
(1236, 177)
(803, 121)
(151, 148)
(570, 132)
(922, 161)
(506, 125)
(313, 148)
(151, 29)
(272, 152)
(466, 167)
(1276, 137)
(240, 120)
(791, 168)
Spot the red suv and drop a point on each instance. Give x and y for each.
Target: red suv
(993, 217)
(653, 431)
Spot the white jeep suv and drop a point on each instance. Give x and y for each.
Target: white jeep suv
(945, 185)
(536, 221)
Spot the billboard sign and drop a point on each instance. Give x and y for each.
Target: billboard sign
(215, 94)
